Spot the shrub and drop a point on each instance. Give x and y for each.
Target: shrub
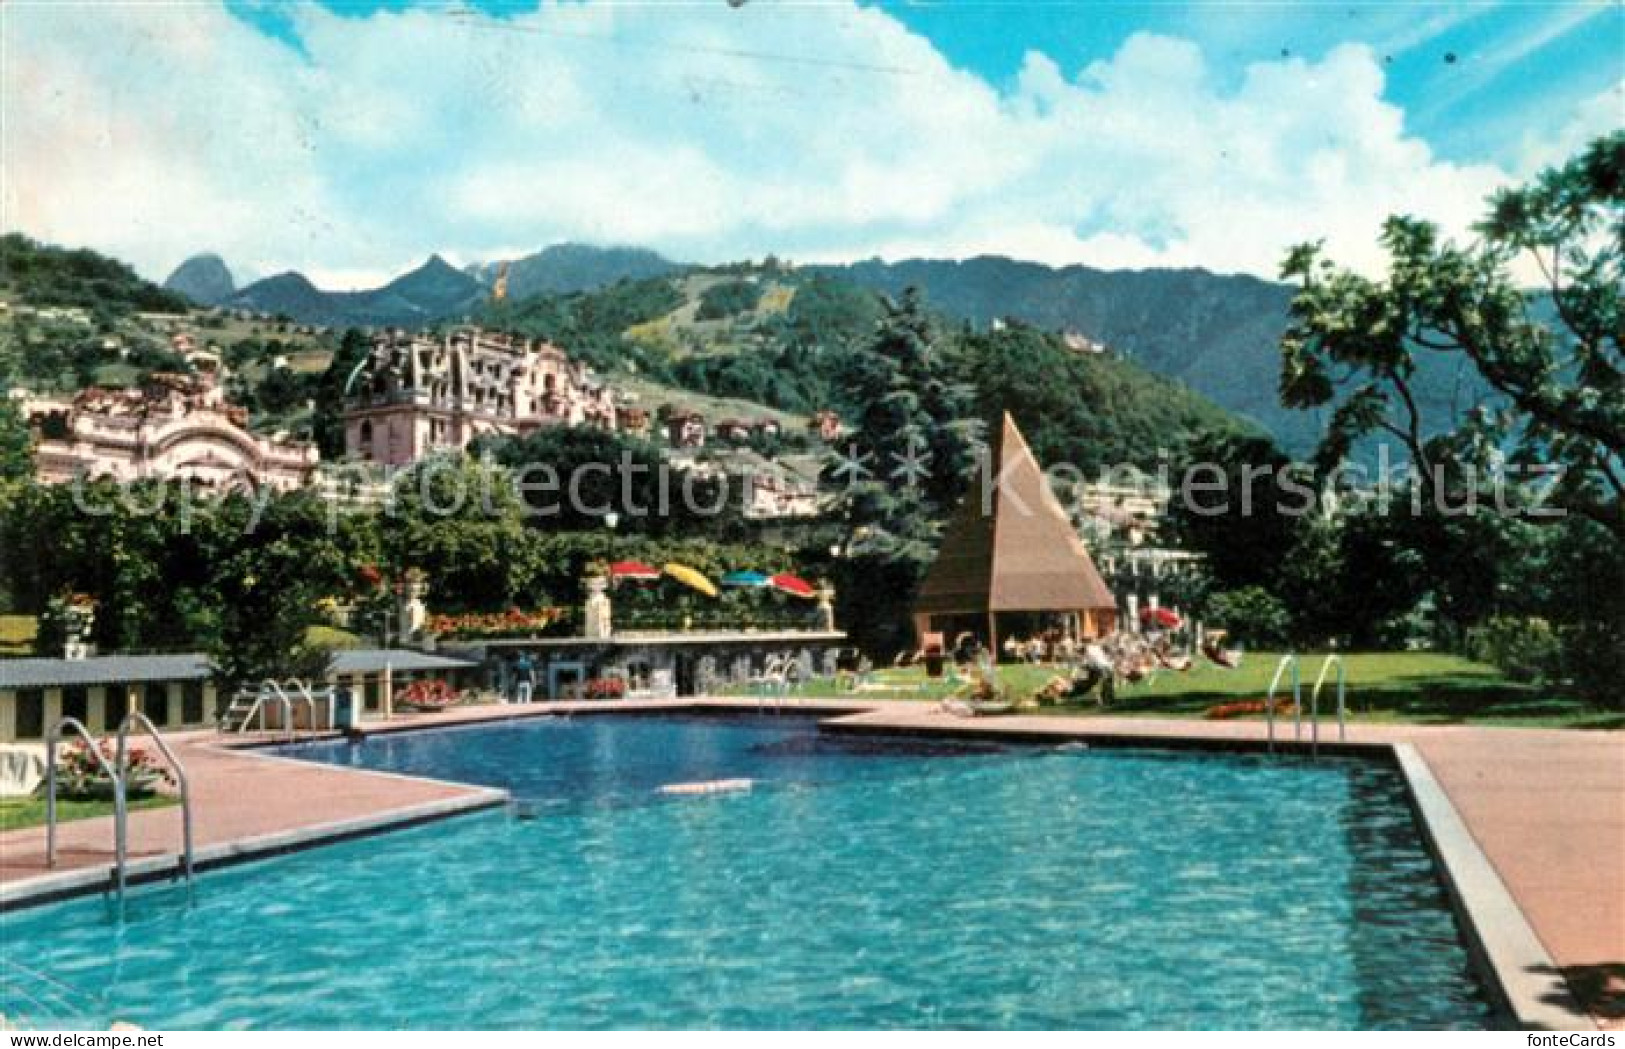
(728, 298)
(1254, 617)
(1523, 648)
(1593, 659)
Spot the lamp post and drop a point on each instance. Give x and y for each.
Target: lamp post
(383, 617)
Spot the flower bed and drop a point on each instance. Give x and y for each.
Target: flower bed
(80, 775)
(1244, 707)
(677, 619)
(512, 623)
(427, 694)
(604, 688)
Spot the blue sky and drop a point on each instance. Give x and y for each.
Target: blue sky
(351, 140)
(1460, 71)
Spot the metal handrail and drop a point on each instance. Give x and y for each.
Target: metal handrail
(1288, 660)
(274, 692)
(311, 697)
(269, 691)
(120, 809)
(1333, 660)
(301, 694)
(136, 719)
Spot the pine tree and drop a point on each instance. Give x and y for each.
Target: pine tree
(903, 468)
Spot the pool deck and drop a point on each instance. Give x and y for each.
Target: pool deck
(245, 805)
(1530, 823)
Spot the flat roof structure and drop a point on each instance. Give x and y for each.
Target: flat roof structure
(102, 670)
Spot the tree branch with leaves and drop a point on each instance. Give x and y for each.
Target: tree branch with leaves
(1550, 354)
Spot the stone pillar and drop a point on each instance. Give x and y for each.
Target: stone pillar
(99, 705)
(174, 706)
(1133, 612)
(597, 618)
(826, 607)
(413, 612)
(8, 716)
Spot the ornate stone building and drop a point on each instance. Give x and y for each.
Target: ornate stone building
(174, 426)
(417, 394)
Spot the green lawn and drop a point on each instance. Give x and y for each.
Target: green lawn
(30, 812)
(1416, 687)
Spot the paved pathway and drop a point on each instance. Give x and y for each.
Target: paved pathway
(1546, 807)
(242, 802)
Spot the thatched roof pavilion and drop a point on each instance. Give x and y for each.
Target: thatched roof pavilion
(1011, 549)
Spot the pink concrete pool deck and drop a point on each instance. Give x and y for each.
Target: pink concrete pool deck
(1542, 812)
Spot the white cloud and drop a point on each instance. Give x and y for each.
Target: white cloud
(1593, 117)
(816, 132)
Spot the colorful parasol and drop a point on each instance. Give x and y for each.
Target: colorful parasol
(1166, 618)
(692, 577)
(793, 585)
(744, 579)
(633, 570)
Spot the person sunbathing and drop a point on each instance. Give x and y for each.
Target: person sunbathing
(1230, 659)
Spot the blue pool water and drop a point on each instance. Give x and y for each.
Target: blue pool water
(860, 884)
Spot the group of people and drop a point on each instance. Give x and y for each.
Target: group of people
(1084, 669)
(1131, 658)
(1050, 646)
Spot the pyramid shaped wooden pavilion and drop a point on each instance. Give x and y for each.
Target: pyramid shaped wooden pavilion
(1011, 549)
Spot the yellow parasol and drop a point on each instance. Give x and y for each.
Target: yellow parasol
(691, 577)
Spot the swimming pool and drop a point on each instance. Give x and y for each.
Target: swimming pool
(860, 884)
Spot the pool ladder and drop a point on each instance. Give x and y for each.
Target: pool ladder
(1289, 663)
(246, 706)
(117, 772)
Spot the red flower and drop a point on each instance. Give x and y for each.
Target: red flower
(428, 694)
(1242, 707)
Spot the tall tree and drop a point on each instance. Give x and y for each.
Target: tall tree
(573, 477)
(1241, 503)
(328, 424)
(1552, 355)
(16, 443)
(458, 520)
(906, 464)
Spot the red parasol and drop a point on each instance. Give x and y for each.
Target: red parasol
(793, 585)
(633, 570)
(1166, 618)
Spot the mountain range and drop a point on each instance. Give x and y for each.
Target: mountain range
(1219, 334)
(565, 268)
(1216, 333)
(205, 279)
(433, 292)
